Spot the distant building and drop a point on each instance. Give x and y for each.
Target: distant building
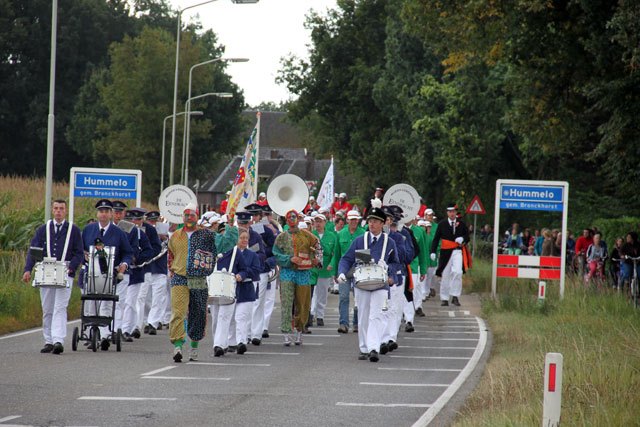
(281, 152)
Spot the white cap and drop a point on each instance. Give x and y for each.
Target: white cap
(335, 194)
(320, 216)
(307, 219)
(344, 195)
(323, 210)
(263, 194)
(429, 211)
(311, 198)
(229, 193)
(190, 207)
(303, 225)
(353, 214)
(224, 218)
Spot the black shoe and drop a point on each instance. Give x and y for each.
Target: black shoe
(355, 329)
(177, 354)
(320, 322)
(127, 337)
(309, 322)
(455, 301)
(136, 333)
(218, 351)
(231, 349)
(432, 293)
(242, 348)
(255, 341)
(363, 356)
(373, 356)
(57, 348)
(48, 348)
(265, 334)
(409, 327)
(159, 328)
(393, 345)
(343, 329)
(384, 348)
(152, 330)
(444, 304)
(146, 329)
(306, 331)
(419, 312)
(104, 344)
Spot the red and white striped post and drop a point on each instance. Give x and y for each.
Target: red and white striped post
(542, 291)
(552, 390)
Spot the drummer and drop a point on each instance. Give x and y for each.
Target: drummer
(232, 262)
(52, 238)
(371, 322)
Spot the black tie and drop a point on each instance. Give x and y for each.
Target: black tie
(373, 242)
(58, 226)
(102, 232)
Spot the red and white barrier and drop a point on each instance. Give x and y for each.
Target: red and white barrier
(529, 267)
(552, 390)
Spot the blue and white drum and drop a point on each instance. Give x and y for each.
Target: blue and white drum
(222, 288)
(50, 273)
(370, 277)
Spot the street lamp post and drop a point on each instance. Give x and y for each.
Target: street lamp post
(185, 146)
(175, 81)
(164, 134)
(51, 117)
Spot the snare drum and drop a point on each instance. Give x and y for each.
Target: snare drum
(222, 288)
(369, 277)
(50, 273)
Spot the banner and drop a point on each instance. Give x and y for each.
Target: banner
(245, 184)
(325, 196)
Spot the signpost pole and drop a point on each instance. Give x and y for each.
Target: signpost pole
(475, 224)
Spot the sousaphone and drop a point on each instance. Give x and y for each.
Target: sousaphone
(287, 192)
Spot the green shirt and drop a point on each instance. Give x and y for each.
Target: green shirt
(345, 238)
(430, 236)
(419, 263)
(330, 256)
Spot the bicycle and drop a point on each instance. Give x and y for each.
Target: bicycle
(599, 278)
(633, 284)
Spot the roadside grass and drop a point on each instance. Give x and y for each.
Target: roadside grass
(598, 333)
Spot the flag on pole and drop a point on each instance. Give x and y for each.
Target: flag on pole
(325, 196)
(245, 184)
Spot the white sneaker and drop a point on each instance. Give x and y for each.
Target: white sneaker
(287, 339)
(193, 354)
(298, 337)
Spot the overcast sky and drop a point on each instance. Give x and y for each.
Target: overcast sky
(263, 32)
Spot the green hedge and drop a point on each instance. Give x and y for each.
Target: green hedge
(616, 227)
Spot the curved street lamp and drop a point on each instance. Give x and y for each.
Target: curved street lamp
(164, 134)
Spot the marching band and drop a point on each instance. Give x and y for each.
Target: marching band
(170, 275)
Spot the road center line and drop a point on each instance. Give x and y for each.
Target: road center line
(405, 385)
(159, 377)
(9, 418)
(228, 364)
(385, 405)
(122, 398)
(157, 371)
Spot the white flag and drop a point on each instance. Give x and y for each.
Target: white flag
(325, 196)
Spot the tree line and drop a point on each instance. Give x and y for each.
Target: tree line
(451, 95)
(114, 86)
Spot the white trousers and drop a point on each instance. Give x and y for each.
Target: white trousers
(221, 316)
(130, 309)
(240, 324)
(451, 283)
(432, 282)
(157, 284)
(371, 322)
(256, 321)
(103, 308)
(270, 300)
(54, 303)
(320, 294)
(166, 317)
(394, 313)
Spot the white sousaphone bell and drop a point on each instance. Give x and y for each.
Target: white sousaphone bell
(287, 192)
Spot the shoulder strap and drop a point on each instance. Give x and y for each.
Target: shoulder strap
(233, 258)
(48, 234)
(66, 242)
(384, 246)
(366, 240)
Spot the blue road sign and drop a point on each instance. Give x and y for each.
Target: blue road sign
(106, 185)
(531, 198)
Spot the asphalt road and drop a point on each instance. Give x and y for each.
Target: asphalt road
(320, 383)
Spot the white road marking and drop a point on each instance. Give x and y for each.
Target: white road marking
(446, 332)
(122, 398)
(9, 418)
(157, 371)
(32, 331)
(421, 369)
(385, 405)
(280, 344)
(453, 326)
(437, 406)
(276, 353)
(228, 364)
(466, 312)
(406, 385)
(313, 335)
(159, 377)
(452, 314)
(441, 339)
(432, 357)
(438, 348)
